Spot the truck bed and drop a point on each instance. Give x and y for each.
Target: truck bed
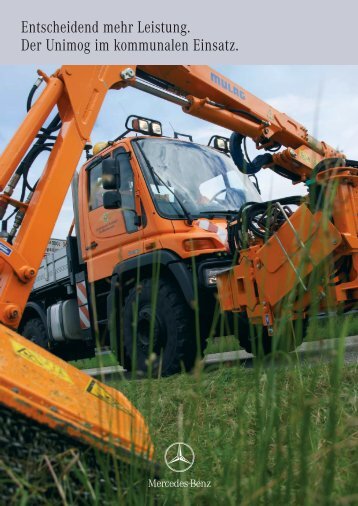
(53, 269)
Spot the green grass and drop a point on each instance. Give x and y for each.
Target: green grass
(98, 361)
(326, 328)
(269, 435)
(263, 436)
(277, 434)
(322, 328)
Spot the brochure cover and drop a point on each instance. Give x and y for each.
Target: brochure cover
(178, 253)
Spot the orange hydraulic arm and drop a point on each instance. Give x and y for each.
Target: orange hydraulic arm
(78, 92)
(34, 383)
(219, 100)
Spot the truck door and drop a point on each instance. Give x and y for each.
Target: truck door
(110, 235)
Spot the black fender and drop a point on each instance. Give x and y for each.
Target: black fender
(168, 259)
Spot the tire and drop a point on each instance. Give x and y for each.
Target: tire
(174, 343)
(35, 331)
(256, 340)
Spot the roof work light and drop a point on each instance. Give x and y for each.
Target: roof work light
(220, 143)
(145, 126)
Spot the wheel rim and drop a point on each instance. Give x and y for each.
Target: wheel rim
(144, 329)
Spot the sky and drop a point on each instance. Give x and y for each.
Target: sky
(322, 98)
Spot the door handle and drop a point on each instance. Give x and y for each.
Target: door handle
(93, 245)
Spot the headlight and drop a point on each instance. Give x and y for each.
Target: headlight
(211, 274)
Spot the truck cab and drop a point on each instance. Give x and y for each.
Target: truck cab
(150, 215)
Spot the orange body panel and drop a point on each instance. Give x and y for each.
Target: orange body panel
(114, 244)
(275, 275)
(268, 273)
(32, 381)
(51, 391)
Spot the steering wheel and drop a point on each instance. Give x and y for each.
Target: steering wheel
(214, 197)
(234, 197)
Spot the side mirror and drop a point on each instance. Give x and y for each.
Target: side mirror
(112, 200)
(111, 178)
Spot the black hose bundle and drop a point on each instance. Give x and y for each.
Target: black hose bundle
(246, 166)
(45, 142)
(260, 220)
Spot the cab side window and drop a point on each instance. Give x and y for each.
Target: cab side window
(95, 187)
(126, 189)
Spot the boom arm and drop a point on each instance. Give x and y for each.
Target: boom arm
(218, 100)
(78, 92)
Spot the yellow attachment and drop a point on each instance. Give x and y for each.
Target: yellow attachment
(99, 146)
(52, 392)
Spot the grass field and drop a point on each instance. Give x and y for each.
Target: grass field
(263, 436)
(271, 435)
(268, 435)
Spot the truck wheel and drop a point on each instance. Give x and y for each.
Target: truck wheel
(256, 340)
(170, 327)
(35, 331)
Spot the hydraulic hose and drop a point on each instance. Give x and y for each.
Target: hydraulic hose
(247, 167)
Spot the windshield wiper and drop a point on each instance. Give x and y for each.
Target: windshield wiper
(155, 176)
(212, 214)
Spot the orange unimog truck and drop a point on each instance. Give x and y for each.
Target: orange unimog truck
(151, 217)
(141, 271)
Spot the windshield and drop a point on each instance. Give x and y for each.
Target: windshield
(186, 178)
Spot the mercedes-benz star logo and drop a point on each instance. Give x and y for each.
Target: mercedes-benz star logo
(179, 457)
